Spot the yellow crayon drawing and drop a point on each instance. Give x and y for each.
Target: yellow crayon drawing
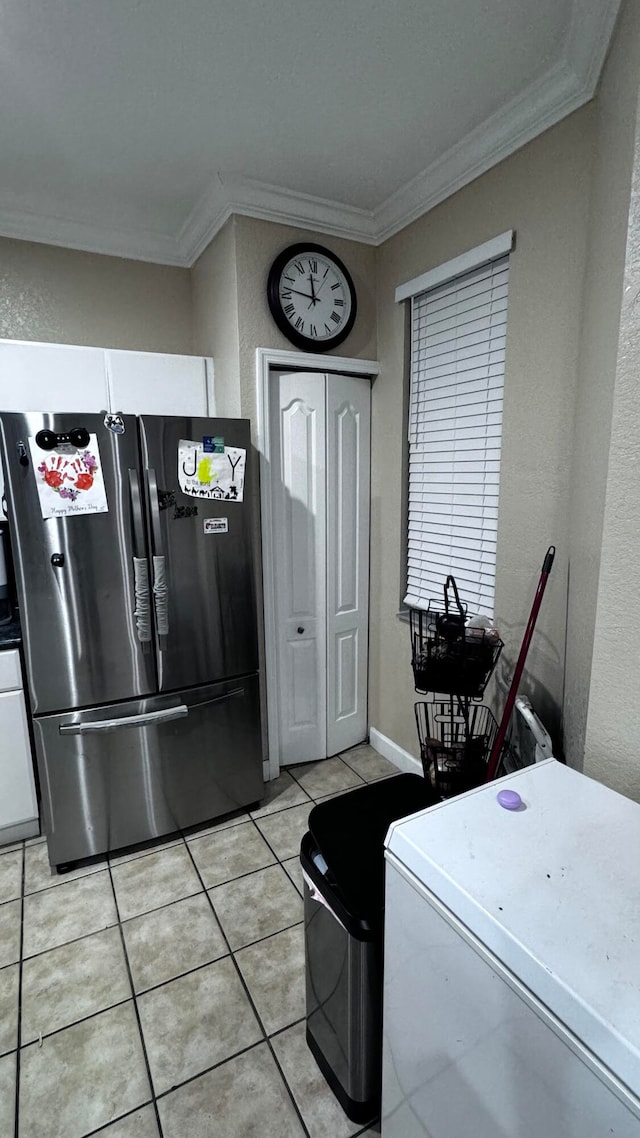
(204, 471)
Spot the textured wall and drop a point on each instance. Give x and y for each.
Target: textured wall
(67, 297)
(612, 750)
(215, 316)
(542, 192)
(614, 123)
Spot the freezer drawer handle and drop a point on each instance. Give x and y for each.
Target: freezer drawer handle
(147, 719)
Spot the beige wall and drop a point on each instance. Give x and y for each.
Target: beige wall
(67, 297)
(612, 751)
(542, 192)
(614, 123)
(215, 316)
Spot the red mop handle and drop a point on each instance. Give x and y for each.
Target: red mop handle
(496, 750)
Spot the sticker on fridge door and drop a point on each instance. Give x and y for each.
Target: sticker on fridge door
(203, 474)
(69, 480)
(216, 525)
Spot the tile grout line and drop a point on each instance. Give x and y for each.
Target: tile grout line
(253, 1005)
(157, 909)
(129, 1114)
(75, 1022)
(135, 1008)
(19, 1025)
(183, 840)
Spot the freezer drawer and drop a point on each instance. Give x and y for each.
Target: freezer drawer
(113, 776)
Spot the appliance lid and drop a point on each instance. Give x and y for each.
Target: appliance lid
(551, 889)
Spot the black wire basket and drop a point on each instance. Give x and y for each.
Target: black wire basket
(455, 743)
(446, 656)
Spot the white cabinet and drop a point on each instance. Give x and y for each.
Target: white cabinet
(63, 377)
(18, 803)
(154, 384)
(51, 377)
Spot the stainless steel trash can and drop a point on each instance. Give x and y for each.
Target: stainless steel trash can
(342, 859)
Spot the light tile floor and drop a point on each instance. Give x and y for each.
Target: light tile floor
(159, 993)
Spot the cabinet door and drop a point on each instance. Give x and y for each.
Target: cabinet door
(17, 788)
(348, 446)
(298, 473)
(50, 377)
(149, 383)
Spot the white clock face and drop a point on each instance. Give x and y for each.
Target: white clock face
(315, 296)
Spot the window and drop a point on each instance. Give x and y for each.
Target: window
(458, 331)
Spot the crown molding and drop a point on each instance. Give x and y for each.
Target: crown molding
(563, 89)
(207, 217)
(251, 198)
(590, 31)
(87, 237)
(539, 107)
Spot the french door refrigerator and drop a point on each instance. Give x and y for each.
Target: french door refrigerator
(135, 573)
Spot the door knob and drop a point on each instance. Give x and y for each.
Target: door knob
(300, 630)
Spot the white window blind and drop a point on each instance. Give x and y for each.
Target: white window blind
(455, 426)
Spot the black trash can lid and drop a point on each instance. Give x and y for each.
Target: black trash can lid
(349, 832)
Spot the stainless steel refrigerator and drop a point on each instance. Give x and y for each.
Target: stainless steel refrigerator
(139, 621)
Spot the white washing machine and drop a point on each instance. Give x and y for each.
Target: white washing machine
(512, 964)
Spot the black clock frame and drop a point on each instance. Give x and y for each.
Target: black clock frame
(307, 343)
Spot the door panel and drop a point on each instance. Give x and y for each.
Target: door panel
(298, 493)
(348, 463)
(150, 383)
(211, 605)
(109, 780)
(78, 624)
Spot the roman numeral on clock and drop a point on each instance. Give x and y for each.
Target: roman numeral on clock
(299, 266)
(289, 309)
(300, 324)
(314, 330)
(335, 317)
(313, 266)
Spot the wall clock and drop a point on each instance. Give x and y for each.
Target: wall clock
(311, 297)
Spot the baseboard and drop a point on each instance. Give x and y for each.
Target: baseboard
(19, 831)
(395, 754)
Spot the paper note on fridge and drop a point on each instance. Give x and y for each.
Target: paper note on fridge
(205, 475)
(69, 484)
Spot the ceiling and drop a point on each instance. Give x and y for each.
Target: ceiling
(136, 127)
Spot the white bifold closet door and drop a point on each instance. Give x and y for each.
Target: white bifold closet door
(320, 447)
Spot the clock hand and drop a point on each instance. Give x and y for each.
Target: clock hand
(298, 293)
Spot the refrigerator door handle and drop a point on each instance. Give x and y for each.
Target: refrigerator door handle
(142, 610)
(160, 587)
(146, 719)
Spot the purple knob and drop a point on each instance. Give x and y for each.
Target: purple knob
(509, 799)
